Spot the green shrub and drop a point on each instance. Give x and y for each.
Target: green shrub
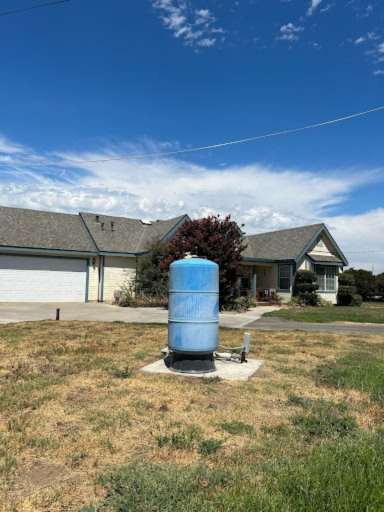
(364, 281)
(126, 299)
(305, 276)
(306, 286)
(380, 285)
(357, 300)
(310, 299)
(346, 279)
(345, 295)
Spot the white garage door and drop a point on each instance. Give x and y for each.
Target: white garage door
(34, 279)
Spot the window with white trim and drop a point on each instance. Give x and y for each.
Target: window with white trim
(326, 279)
(284, 277)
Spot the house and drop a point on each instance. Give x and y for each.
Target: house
(57, 257)
(273, 259)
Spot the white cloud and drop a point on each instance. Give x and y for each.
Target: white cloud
(314, 5)
(357, 234)
(327, 7)
(379, 72)
(263, 197)
(360, 40)
(193, 26)
(207, 42)
(290, 32)
(380, 48)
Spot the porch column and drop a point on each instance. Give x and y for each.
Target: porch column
(254, 282)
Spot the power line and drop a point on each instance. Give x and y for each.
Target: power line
(33, 7)
(362, 252)
(195, 149)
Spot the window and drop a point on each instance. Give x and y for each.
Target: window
(244, 286)
(326, 279)
(284, 277)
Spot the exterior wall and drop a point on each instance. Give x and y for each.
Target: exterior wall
(116, 271)
(93, 285)
(307, 264)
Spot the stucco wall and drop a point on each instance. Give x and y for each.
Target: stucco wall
(116, 271)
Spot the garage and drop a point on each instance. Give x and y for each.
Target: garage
(42, 279)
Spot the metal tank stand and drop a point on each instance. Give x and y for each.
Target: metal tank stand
(245, 348)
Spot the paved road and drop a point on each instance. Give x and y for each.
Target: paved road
(281, 324)
(23, 312)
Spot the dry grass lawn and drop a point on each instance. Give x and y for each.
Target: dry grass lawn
(73, 402)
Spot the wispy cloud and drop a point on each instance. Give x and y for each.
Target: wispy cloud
(193, 26)
(314, 5)
(379, 72)
(290, 32)
(161, 188)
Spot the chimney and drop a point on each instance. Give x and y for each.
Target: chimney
(102, 226)
(97, 219)
(112, 225)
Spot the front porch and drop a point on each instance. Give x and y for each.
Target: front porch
(265, 281)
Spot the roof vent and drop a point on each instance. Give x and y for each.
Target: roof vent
(102, 226)
(112, 225)
(146, 222)
(97, 219)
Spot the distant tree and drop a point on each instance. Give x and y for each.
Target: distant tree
(217, 239)
(380, 285)
(365, 282)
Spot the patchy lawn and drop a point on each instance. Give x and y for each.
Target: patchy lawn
(369, 312)
(82, 429)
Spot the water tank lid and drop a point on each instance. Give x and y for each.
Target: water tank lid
(200, 262)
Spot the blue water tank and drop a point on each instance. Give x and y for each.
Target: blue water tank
(193, 306)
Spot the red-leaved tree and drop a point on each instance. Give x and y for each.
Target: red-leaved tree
(219, 240)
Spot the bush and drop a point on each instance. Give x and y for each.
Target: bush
(357, 300)
(346, 279)
(345, 295)
(306, 286)
(126, 299)
(305, 276)
(380, 285)
(310, 299)
(364, 281)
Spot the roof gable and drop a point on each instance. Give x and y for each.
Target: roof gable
(128, 236)
(286, 244)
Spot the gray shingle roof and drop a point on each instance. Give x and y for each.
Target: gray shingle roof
(286, 244)
(325, 259)
(130, 236)
(43, 230)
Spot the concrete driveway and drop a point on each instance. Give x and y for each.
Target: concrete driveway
(24, 312)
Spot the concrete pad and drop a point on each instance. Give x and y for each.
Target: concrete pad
(226, 370)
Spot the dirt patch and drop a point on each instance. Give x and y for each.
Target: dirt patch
(41, 474)
(82, 396)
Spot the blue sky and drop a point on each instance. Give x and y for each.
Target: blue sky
(98, 78)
